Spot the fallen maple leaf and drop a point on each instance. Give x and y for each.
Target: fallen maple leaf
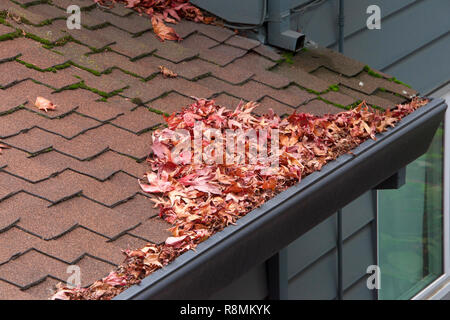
(3, 146)
(44, 104)
(160, 11)
(164, 32)
(167, 73)
(132, 3)
(152, 260)
(61, 295)
(156, 184)
(175, 241)
(114, 279)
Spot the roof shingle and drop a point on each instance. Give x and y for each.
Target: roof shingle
(68, 186)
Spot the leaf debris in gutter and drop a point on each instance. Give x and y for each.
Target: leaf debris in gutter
(200, 199)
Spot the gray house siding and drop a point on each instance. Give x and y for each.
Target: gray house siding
(414, 46)
(312, 259)
(250, 286)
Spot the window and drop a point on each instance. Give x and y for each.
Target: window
(412, 226)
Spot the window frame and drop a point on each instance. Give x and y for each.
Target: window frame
(441, 286)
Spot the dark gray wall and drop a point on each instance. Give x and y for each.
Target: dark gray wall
(312, 259)
(412, 45)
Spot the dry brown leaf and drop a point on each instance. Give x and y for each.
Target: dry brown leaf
(162, 31)
(15, 17)
(167, 73)
(44, 104)
(170, 11)
(3, 146)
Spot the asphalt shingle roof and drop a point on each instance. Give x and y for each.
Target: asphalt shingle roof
(68, 185)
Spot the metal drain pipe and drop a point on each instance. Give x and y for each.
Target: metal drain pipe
(279, 33)
(341, 24)
(340, 241)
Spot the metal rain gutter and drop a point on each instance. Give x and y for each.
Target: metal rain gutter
(266, 230)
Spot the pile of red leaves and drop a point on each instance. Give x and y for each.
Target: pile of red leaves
(200, 199)
(161, 11)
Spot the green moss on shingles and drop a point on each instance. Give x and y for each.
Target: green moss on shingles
(137, 101)
(43, 84)
(142, 55)
(374, 106)
(45, 22)
(3, 14)
(306, 89)
(82, 85)
(64, 40)
(97, 91)
(31, 3)
(287, 57)
(96, 27)
(334, 88)
(35, 154)
(164, 95)
(153, 76)
(98, 50)
(94, 72)
(197, 78)
(4, 113)
(130, 73)
(38, 39)
(355, 104)
(333, 103)
(372, 73)
(158, 111)
(50, 69)
(317, 93)
(400, 82)
(156, 126)
(10, 36)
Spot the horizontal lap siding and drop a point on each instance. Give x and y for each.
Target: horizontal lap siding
(318, 281)
(359, 291)
(427, 68)
(250, 286)
(320, 24)
(310, 247)
(250, 11)
(412, 45)
(312, 259)
(358, 253)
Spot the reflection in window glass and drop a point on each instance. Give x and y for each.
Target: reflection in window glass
(411, 227)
